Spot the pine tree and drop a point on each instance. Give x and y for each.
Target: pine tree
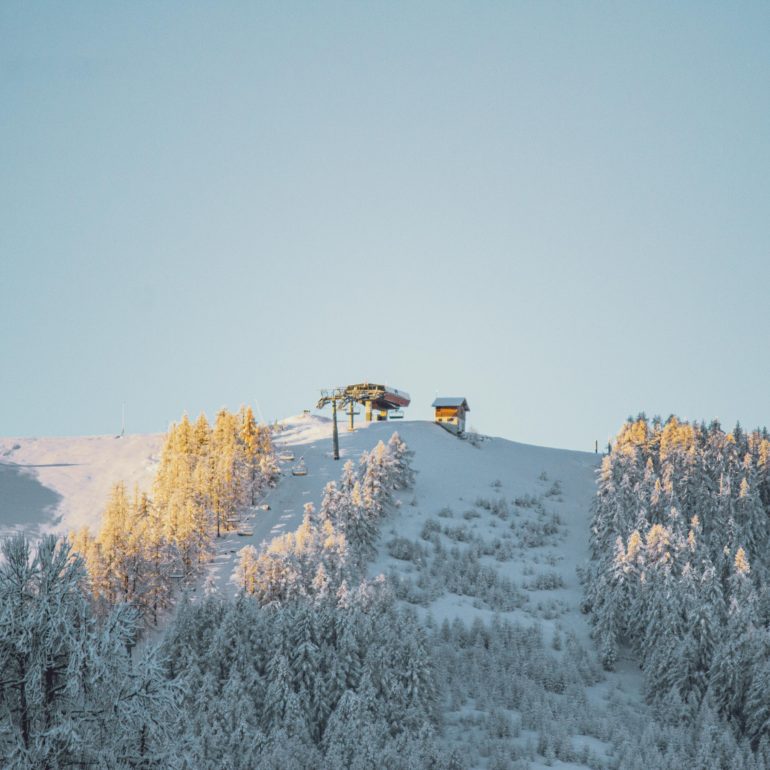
(757, 705)
(358, 518)
(403, 474)
(376, 481)
(228, 472)
(70, 693)
(349, 477)
(733, 659)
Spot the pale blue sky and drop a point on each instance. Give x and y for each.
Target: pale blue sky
(558, 210)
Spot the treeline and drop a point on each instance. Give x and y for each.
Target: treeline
(679, 572)
(207, 474)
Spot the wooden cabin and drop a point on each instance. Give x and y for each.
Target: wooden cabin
(450, 413)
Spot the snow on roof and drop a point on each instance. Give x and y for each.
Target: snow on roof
(452, 401)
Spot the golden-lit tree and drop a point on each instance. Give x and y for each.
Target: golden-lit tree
(205, 477)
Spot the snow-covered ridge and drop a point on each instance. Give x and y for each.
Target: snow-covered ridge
(81, 470)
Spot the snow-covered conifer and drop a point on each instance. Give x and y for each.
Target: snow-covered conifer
(70, 695)
(403, 474)
(246, 569)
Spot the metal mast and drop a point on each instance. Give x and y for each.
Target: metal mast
(333, 397)
(335, 435)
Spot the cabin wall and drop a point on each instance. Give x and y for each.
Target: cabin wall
(451, 416)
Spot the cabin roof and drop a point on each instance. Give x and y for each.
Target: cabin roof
(452, 401)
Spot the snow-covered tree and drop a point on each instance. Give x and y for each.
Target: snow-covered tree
(70, 695)
(686, 589)
(403, 475)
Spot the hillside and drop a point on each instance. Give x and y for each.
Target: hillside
(62, 483)
(495, 531)
(492, 530)
(450, 474)
(74, 476)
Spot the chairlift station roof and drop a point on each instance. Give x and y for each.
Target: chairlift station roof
(380, 396)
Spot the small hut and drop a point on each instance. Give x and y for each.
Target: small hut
(450, 413)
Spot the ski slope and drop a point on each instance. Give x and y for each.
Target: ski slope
(451, 473)
(62, 483)
(532, 503)
(458, 485)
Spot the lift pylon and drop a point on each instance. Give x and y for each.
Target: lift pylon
(335, 397)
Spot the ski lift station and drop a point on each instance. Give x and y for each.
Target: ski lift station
(450, 413)
(387, 402)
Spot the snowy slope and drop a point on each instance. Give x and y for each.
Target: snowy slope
(456, 480)
(532, 503)
(524, 509)
(451, 474)
(77, 474)
(308, 437)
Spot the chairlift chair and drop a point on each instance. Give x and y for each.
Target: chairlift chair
(300, 469)
(396, 414)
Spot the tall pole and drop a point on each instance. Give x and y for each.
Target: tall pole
(335, 434)
(259, 411)
(350, 415)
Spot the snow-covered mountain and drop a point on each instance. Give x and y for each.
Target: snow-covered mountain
(492, 529)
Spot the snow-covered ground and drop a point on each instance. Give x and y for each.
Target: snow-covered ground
(455, 481)
(77, 472)
(522, 510)
(308, 437)
(453, 475)
(25, 504)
